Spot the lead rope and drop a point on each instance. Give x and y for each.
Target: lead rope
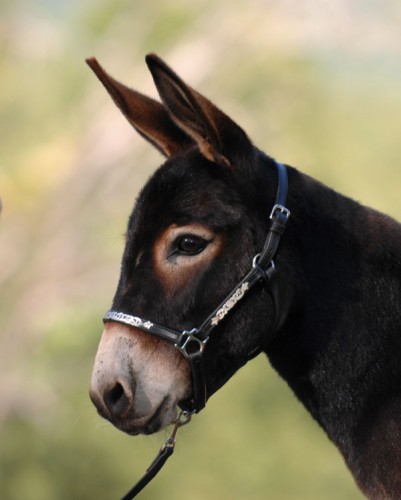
(164, 454)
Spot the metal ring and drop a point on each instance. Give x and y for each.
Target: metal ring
(255, 260)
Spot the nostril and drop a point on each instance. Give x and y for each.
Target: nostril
(116, 400)
(116, 393)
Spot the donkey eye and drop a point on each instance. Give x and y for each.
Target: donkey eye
(189, 244)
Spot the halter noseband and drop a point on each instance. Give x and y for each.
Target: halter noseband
(191, 343)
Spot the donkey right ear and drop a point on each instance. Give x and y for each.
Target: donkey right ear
(149, 117)
(218, 137)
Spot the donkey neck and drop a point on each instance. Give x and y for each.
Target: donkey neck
(340, 344)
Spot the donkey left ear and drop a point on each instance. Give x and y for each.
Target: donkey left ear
(219, 138)
(149, 117)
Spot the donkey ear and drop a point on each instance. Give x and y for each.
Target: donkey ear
(149, 117)
(219, 138)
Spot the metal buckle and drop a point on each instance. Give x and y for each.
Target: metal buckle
(188, 337)
(281, 209)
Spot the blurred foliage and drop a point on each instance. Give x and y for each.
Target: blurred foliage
(316, 84)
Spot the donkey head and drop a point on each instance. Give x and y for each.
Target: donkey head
(191, 237)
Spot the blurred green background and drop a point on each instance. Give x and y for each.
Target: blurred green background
(315, 83)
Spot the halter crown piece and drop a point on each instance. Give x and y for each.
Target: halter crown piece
(191, 343)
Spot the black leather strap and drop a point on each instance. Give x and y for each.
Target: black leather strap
(162, 457)
(199, 393)
(282, 190)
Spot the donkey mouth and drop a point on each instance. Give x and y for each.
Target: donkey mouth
(158, 420)
(162, 417)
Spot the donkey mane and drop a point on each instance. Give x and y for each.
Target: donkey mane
(338, 341)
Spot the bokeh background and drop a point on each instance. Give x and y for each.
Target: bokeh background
(316, 83)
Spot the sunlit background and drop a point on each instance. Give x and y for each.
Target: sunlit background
(316, 83)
